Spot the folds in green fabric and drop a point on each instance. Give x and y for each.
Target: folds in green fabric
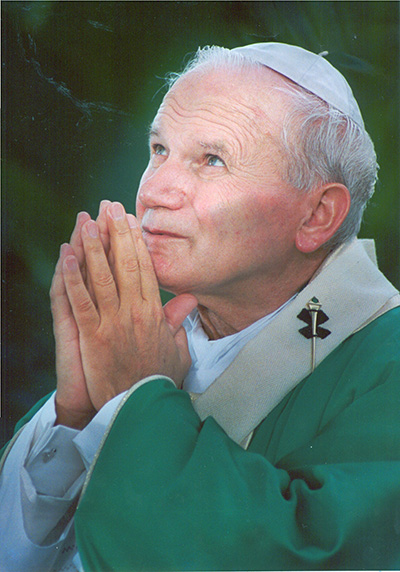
(317, 489)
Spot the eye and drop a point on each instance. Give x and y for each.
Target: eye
(214, 161)
(158, 149)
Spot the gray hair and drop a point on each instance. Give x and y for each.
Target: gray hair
(321, 144)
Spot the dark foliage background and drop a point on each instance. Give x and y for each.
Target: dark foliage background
(81, 82)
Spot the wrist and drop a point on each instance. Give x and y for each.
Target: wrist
(72, 418)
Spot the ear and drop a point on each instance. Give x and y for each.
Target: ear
(329, 206)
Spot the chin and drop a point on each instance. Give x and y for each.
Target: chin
(173, 287)
(170, 276)
(168, 279)
(175, 283)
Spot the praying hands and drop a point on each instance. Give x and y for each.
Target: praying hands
(110, 328)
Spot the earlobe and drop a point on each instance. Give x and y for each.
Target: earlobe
(330, 206)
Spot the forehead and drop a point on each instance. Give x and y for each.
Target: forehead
(225, 102)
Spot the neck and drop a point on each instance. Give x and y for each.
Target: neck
(223, 318)
(229, 313)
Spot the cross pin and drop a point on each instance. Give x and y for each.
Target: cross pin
(313, 316)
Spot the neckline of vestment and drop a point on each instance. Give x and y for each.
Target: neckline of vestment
(211, 357)
(352, 292)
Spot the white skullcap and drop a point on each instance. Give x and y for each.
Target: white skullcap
(308, 70)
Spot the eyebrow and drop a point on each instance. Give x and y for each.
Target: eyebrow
(153, 132)
(217, 147)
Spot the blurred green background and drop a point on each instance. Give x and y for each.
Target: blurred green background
(81, 83)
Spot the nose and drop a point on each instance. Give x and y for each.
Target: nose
(163, 187)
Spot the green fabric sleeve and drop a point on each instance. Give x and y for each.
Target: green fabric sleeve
(27, 417)
(171, 493)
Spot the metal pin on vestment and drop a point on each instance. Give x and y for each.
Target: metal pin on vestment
(313, 316)
(314, 307)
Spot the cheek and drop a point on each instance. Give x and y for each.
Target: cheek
(229, 227)
(264, 222)
(220, 226)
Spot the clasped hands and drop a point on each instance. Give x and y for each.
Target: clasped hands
(110, 327)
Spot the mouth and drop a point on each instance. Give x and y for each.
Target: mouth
(157, 232)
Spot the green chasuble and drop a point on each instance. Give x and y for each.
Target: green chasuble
(318, 487)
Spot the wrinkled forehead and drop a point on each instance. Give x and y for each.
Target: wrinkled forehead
(248, 96)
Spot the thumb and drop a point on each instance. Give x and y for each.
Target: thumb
(177, 309)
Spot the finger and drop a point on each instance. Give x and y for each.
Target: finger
(101, 277)
(103, 225)
(60, 306)
(104, 232)
(76, 239)
(177, 309)
(77, 245)
(83, 308)
(126, 263)
(149, 284)
(104, 204)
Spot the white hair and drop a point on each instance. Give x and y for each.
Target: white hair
(321, 144)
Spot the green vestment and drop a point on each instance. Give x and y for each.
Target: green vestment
(318, 487)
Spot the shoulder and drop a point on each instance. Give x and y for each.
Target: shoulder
(379, 342)
(348, 407)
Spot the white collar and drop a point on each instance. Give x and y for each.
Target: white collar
(211, 357)
(352, 292)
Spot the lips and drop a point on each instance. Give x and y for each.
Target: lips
(160, 232)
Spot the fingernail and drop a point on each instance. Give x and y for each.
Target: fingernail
(92, 229)
(71, 263)
(63, 248)
(117, 211)
(81, 216)
(132, 221)
(104, 204)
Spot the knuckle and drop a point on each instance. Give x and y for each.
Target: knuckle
(93, 247)
(146, 316)
(104, 280)
(146, 265)
(123, 231)
(84, 305)
(130, 264)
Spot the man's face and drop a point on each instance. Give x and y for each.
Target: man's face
(216, 216)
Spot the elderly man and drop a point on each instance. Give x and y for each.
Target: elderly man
(263, 433)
